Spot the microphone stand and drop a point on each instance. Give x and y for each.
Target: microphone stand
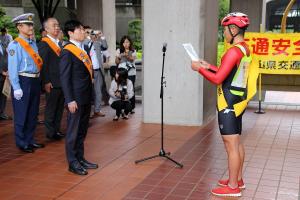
(162, 152)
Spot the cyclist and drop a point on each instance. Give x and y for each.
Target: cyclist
(232, 80)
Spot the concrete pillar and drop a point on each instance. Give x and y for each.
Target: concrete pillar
(263, 15)
(100, 14)
(90, 12)
(210, 54)
(177, 22)
(253, 8)
(109, 26)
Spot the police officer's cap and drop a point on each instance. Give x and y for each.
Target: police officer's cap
(24, 18)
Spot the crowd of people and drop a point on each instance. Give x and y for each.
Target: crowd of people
(71, 75)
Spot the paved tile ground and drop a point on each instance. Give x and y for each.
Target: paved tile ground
(272, 167)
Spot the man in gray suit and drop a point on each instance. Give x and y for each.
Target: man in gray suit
(5, 38)
(3, 76)
(97, 45)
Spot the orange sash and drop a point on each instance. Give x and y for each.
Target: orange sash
(52, 45)
(34, 55)
(81, 55)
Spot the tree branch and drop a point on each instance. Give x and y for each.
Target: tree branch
(37, 6)
(50, 7)
(55, 7)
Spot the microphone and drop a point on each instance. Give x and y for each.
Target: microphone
(164, 49)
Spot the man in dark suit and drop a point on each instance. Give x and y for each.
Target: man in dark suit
(49, 50)
(3, 76)
(76, 80)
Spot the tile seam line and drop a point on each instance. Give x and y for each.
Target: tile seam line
(108, 163)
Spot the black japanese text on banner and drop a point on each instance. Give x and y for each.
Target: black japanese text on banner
(275, 53)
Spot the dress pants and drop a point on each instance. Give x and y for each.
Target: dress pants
(26, 111)
(76, 132)
(132, 100)
(54, 111)
(2, 96)
(119, 105)
(98, 83)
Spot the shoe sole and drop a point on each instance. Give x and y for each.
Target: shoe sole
(70, 170)
(227, 195)
(241, 187)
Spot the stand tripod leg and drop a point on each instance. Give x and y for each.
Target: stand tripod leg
(163, 155)
(144, 159)
(177, 163)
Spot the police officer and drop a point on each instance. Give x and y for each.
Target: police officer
(24, 65)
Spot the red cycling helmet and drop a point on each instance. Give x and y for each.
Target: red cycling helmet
(239, 19)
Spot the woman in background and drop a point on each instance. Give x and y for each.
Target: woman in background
(125, 58)
(121, 91)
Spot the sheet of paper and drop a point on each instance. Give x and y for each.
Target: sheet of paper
(6, 88)
(191, 51)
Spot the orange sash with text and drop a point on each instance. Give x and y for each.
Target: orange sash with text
(52, 45)
(34, 55)
(81, 55)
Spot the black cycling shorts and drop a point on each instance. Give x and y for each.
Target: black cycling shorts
(229, 124)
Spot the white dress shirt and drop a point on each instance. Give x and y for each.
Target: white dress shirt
(78, 44)
(56, 41)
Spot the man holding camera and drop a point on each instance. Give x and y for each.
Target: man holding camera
(96, 43)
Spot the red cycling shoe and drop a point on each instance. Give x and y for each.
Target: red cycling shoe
(227, 191)
(241, 183)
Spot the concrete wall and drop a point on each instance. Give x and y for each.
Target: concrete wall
(14, 11)
(176, 22)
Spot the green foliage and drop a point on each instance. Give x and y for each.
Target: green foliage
(223, 11)
(220, 52)
(5, 22)
(139, 54)
(135, 33)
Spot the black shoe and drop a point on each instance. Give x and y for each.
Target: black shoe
(61, 134)
(88, 165)
(37, 146)
(5, 117)
(41, 122)
(116, 118)
(56, 136)
(126, 117)
(27, 149)
(76, 168)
